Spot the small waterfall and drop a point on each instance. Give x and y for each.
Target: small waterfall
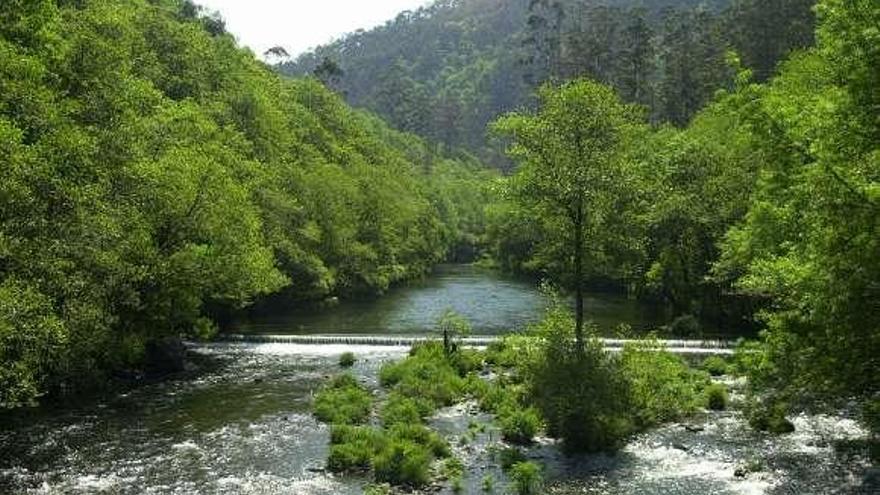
(677, 346)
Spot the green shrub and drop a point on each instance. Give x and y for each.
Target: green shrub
(508, 351)
(405, 410)
(582, 395)
(347, 360)
(661, 385)
(488, 483)
(420, 435)
(716, 397)
(403, 463)
(466, 361)
(769, 417)
(352, 448)
(715, 366)
(426, 374)
(520, 426)
(526, 478)
(343, 401)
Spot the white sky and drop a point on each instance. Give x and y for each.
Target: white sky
(299, 25)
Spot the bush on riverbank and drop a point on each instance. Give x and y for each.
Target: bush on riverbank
(347, 360)
(716, 397)
(400, 455)
(527, 479)
(343, 401)
(594, 400)
(715, 366)
(662, 387)
(426, 374)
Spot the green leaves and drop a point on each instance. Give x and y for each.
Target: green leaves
(155, 175)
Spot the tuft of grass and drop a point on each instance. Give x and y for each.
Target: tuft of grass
(488, 484)
(426, 374)
(352, 448)
(347, 360)
(716, 397)
(770, 418)
(519, 426)
(715, 366)
(343, 401)
(527, 479)
(399, 409)
(403, 463)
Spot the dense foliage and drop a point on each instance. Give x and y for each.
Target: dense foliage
(156, 177)
(446, 70)
(766, 204)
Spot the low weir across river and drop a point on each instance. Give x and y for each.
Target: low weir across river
(677, 346)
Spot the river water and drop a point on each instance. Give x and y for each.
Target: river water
(493, 304)
(241, 423)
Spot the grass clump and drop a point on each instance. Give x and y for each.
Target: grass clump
(343, 401)
(403, 463)
(527, 479)
(715, 366)
(488, 483)
(347, 360)
(401, 455)
(769, 417)
(426, 374)
(716, 397)
(399, 409)
(662, 387)
(352, 448)
(519, 426)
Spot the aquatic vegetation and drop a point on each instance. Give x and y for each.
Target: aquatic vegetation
(403, 463)
(426, 374)
(488, 483)
(343, 401)
(399, 409)
(519, 425)
(716, 397)
(527, 479)
(347, 360)
(662, 386)
(352, 448)
(715, 366)
(769, 416)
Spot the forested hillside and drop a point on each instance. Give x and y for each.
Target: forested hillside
(155, 177)
(445, 71)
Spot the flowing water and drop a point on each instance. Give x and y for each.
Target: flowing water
(241, 423)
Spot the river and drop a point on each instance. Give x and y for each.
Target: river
(241, 423)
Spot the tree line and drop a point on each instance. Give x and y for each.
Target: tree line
(445, 71)
(154, 178)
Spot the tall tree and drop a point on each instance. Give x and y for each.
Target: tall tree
(572, 171)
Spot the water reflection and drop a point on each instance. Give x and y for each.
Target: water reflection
(492, 302)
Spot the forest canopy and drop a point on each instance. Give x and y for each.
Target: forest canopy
(156, 177)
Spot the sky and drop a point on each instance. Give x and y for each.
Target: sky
(298, 25)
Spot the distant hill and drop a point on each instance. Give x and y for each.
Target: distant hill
(444, 71)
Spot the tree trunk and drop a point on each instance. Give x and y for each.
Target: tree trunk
(579, 277)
